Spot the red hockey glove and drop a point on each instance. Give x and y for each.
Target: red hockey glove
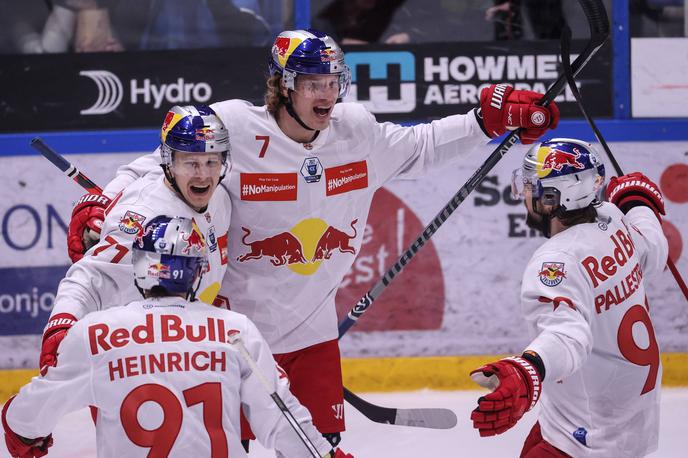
(504, 108)
(84, 228)
(628, 191)
(515, 385)
(55, 331)
(21, 447)
(339, 454)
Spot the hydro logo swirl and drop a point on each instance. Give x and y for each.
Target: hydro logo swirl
(110, 92)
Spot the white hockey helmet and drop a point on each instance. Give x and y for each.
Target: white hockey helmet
(170, 253)
(563, 172)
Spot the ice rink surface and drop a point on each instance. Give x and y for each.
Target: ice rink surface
(75, 434)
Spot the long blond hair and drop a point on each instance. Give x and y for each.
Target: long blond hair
(273, 96)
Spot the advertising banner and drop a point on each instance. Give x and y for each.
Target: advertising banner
(459, 295)
(417, 82)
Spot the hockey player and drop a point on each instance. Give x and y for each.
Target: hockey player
(302, 185)
(162, 371)
(195, 157)
(594, 362)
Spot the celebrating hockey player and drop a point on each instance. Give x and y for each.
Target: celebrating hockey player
(594, 363)
(162, 371)
(195, 157)
(302, 183)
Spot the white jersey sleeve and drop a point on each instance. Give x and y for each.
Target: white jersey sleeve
(65, 388)
(555, 297)
(267, 421)
(411, 151)
(128, 173)
(649, 239)
(103, 278)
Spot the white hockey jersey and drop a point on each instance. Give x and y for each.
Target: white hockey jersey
(299, 210)
(105, 277)
(584, 296)
(165, 380)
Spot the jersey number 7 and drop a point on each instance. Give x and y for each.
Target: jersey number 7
(161, 439)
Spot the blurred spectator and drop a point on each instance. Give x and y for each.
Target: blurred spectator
(506, 16)
(158, 24)
(657, 18)
(399, 21)
(359, 21)
(34, 26)
(545, 17)
(272, 12)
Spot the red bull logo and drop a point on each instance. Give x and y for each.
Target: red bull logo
(557, 159)
(552, 273)
(194, 240)
(332, 240)
(144, 232)
(132, 223)
(328, 55)
(283, 248)
(303, 247)
(158, 270)
(281, 46)
(168, 119)
(205, 134)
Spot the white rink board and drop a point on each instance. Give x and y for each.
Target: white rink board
(481, 265)
(659, 87)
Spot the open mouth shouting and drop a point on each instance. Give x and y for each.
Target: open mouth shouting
(322, 111)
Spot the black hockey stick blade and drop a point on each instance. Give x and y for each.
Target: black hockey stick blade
(433, 418)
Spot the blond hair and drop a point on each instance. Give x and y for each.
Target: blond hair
(273, 96)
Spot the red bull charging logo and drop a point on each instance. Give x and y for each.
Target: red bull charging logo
(158, 270)
(557, 159)
(303, 247)
(552, 273)
(194, 240)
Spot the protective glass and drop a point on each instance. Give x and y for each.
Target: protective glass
(522, 181)
(321, 88)
(196, 164)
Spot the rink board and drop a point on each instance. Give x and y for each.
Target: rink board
(468, 303)
(366, 375)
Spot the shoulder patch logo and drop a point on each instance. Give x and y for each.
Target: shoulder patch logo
(552, 273)
(132, 223)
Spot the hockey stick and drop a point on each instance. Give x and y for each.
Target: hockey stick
(428, 418)
(434, 418)
(63, 164)
(599, 31)
(236, 341)
(444, 418)
(566, 63)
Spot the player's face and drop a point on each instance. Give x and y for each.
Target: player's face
(534, 218)
(197, 175)
(314, 98)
